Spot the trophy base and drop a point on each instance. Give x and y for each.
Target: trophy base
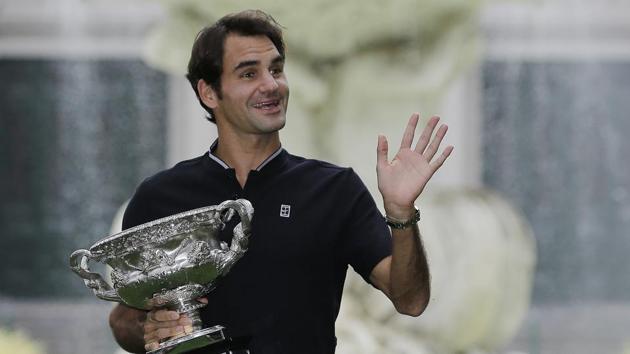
(195, 340)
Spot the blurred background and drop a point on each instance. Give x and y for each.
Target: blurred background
(526, 226)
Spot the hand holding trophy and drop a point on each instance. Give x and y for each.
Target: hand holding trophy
(170, 263)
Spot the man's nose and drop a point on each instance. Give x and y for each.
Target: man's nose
(268, 83)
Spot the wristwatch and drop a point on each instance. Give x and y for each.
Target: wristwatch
(403, 224)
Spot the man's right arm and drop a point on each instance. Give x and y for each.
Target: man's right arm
(137, 331)
(128, 327)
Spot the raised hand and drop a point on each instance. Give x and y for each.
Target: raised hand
(402, 179)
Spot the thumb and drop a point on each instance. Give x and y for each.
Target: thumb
(381, 152)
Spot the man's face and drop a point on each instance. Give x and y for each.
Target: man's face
(255, 92)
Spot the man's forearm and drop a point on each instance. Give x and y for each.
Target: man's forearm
(410, 280)
(127, 326)
(401, 182)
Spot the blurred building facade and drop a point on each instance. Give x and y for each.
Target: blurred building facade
(541, 119)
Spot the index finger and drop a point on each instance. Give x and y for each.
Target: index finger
(164, 315)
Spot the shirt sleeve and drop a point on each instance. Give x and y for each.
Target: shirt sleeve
(138, 211)
(366, 237)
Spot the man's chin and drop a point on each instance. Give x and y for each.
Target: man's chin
(272, 126)
(278, 126)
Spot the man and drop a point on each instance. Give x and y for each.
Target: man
(312, 219)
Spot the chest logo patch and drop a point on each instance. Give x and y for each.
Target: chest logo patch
(285, 210)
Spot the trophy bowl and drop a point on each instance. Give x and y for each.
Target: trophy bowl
(170, 263)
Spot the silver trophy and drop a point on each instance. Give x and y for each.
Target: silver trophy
(170, 263)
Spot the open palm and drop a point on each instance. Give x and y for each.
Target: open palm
(402, 179)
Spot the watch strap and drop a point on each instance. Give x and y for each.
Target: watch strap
(403, 224)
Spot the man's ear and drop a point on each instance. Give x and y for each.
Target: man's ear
(207, 94)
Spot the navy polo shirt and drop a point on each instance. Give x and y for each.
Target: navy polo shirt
(311, 220)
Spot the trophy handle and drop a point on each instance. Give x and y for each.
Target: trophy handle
(242, 231)
(79, 264)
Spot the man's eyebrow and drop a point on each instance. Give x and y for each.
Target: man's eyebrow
(246, 63)
(277, 60)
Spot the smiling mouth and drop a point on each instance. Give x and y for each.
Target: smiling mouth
(268, 105)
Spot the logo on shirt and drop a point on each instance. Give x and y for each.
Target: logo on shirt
(285, 210)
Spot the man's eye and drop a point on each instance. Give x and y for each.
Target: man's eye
(276, 72)
(248, 74)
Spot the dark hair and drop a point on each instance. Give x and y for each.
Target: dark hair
(206, 59)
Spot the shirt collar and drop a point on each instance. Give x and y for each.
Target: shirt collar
(214, 145)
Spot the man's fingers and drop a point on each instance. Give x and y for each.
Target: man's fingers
(163, 315)
(151, 329)
(440, 160)
(407, 138)
(423, 141)
(162, 325)
(381, 151)
(161, 334)
(154, 338)
(435, 143)
(184, 320)
(151, 346)
(153, 325)
(164, 333)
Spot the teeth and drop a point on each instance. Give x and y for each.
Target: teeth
(266, 104)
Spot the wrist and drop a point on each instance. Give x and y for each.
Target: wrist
(399, 224)
(400, 212)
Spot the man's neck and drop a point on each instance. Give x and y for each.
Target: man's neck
(246, 153)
